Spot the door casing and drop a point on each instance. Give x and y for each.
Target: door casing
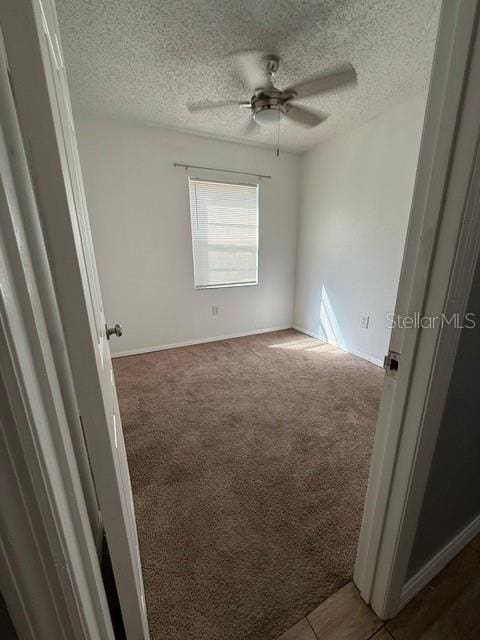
(36, 70)
(440, 255)
(49, 570)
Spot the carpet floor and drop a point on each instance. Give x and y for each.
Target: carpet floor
(249, 461)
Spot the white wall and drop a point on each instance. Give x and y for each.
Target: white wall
(139, 211)
(353, 193)
(356, 193)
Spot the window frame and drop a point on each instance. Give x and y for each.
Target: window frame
(232, 285)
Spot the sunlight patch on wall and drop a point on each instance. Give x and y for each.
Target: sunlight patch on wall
(328, 326)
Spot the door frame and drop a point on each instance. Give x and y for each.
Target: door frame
(441, 252)
(37, 79)
(50, 574)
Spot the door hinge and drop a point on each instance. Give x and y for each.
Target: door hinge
(391, 362)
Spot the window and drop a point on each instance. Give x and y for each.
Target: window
(224, 222)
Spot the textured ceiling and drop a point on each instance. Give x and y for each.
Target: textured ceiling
(144, 60)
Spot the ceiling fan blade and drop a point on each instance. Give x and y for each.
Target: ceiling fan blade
(327, 81)
(204, 106)
(304, 116)
(251, 128)
(252, 67)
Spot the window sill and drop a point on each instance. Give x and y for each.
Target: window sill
(226, 286)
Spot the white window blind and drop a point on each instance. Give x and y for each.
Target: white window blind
(224, 222)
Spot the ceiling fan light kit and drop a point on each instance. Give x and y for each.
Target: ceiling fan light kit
(268, 108)
(268, 104)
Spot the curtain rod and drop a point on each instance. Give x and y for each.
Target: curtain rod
(242, 173)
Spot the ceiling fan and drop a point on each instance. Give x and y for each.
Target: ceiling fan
(268, 104)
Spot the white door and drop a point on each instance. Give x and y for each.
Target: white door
(55, 166)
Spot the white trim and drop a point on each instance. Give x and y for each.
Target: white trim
(431, 282)
(51, 580)
(55, 171)
(241, 334)
(232, 285)
(376, 361)
(439, 561)
(189, 343)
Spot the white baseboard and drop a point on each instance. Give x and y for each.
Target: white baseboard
(439, 562)
(189, 343)
(359, 354)
(241, 334)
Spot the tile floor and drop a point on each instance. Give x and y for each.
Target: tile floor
(447, 609)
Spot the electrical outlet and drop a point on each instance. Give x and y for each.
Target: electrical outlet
(215, 310)
(364, 321)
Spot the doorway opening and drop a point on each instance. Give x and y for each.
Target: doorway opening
(248, 408)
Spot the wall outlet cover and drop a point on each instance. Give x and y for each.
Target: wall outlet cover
(364, 321)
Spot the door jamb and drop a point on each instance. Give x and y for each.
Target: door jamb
(34, 50)
(441, 252)
(50, 574)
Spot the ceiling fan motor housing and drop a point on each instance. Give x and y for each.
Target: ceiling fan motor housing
(269, 106)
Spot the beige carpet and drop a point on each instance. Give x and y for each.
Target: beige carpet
(249, 461)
